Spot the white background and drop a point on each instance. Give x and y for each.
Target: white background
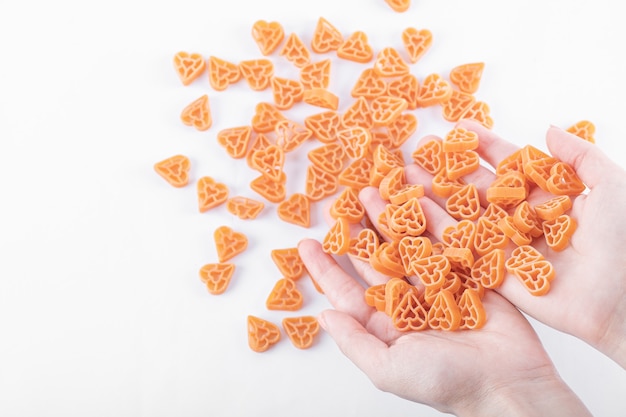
(102, 312)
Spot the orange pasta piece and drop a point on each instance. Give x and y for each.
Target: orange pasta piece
(464, 204)
(370, 85)
(326, 37)
(229, 243)
(457, 105)
(316, 74)
(385, 160)
(434, 90)
(480, 112)
(356, 174)
(244, 208)
(401, 129)
(198, 114)
(405, 193)
(324, 125)
(267, 35)
(389, 63)
(563, 180)
(460, 140)
(489, 236)
(375, 297)
(295, 210)
(411, 248)
(364, 245)
(406, 87)
(431, 270)
(444, 187)
(290, 135)
(521, 256)
(321, 97)
(430, 156)
(392, 182)
(269, 161)
(461, 163)
(217, 276)
(399, 5)
(286, 92)
(559, 231)
(460, 258)
(258, 73)
(358, 114)
(408, 219)
(525, 219)
(289, 262)
(467, 76)
(584, 129)
(460, 235)
(356, 48)
(348, 206)
(535, 276)
(259, 142)
(444, 313)
(410, 314)
(337, 240)
(508, 190)
(355, 141)
(222, 73)
(494, 213)
(329, 157)
(507, 225)
(319, 183)
(473, 315)
(272, 191)
(386, 260)
(395, 289)
(284, 296)
(210, 193)
(513, 162)
(188, 66)
(416, 42)
(489, 269)
(553, 208)
(301, 330)
(262, 334)
(174, 170)
(295, 51)
(266, 117)
(235, 140)
(386, 109)
(538, 171)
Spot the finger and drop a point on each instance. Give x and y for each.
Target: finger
(590, 163)
(415, 174)
(491, 148)
(364, 349)
(374, 205)
(437, 218)
(342, 290)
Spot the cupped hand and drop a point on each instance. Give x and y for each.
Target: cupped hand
(587, 298)
(491, 371)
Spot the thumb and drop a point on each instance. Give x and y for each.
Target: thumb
(589, 162)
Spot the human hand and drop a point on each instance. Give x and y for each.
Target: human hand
(501, 369)
(587, 298)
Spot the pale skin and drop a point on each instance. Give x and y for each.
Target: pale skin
(498, 369)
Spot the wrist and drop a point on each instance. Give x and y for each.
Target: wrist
(540, 396)
(612, 342)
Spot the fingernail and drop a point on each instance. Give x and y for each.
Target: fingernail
(322, 320)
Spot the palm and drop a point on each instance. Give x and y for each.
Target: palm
(459, 364)
(576, 302)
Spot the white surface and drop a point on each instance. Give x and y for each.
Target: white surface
(101, 309)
